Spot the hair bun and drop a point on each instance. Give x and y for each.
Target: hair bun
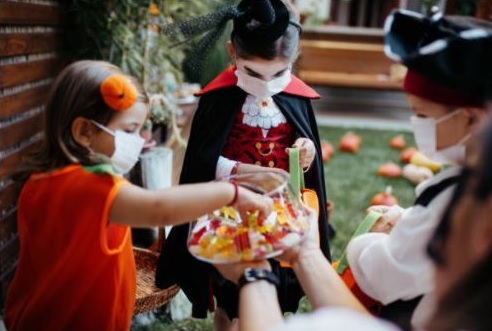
(118, 92)
(263, 12)
(261, 21)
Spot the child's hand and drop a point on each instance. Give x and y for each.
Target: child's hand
(307, 152)
(247, 201)
(390, 216)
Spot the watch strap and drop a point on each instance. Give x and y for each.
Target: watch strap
(254, 274)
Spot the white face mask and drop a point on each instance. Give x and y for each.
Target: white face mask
(127, 149)
(454, 154)
(425, 133)
(261, 88)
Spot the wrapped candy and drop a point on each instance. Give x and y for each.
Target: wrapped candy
(225, 236)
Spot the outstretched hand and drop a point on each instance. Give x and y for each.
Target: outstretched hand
(305, 247)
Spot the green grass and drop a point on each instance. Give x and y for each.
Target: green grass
(351, 182)
(351, 179)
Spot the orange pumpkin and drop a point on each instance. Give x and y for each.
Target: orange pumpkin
(389, 169)
(350, 143)
(327, 151)
(118, 92)
(385, 198)
(397, 142)
(407, 154)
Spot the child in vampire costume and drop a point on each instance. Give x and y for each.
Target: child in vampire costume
(247, 116)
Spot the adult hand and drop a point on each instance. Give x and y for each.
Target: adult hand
(234, 271)
(307, 151)
(390, 215)
(305, 247)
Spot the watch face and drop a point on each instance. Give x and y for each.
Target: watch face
(252, 274)
(249, 274)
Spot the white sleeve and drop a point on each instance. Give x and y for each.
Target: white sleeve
(390, 267)
(224, 167)
(335, 319)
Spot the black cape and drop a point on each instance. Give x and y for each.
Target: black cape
(210, 128)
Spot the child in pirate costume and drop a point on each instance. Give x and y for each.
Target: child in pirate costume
(393, 267)
(246, 119)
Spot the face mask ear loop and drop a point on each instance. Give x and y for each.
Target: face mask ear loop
(448, 116)
(464, 139)
(90, 150)
(102, 127)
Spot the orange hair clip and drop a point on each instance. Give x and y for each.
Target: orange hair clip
(118, 92)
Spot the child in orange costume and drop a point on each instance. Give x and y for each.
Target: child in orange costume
(76, 268)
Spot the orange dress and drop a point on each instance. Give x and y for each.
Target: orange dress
(76, 271)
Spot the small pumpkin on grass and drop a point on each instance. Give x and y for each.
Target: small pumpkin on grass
(385, 198)
(407, 153)
(350, 143)
(390, 170)
(327, 151)
(397, 142)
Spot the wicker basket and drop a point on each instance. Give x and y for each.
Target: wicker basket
(149, 296)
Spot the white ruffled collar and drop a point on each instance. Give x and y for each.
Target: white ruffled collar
(262, 113)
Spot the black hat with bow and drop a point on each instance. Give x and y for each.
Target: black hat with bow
(254, 21)
(451, 52)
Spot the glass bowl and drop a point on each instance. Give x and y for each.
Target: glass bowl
(225, 236)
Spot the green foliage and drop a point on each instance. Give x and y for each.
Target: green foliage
(427, 6)
(352, 180)
(462, 7)
(128, 34)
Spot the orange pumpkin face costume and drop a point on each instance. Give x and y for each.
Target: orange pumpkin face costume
(76, 270)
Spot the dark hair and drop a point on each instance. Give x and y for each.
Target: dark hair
(74, 93)
(467, 305)
(287, 46)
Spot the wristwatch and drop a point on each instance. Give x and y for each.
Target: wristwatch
(254, 274)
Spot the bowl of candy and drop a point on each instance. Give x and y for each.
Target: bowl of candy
(226, 236)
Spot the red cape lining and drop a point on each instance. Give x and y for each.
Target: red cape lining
(227, 79)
